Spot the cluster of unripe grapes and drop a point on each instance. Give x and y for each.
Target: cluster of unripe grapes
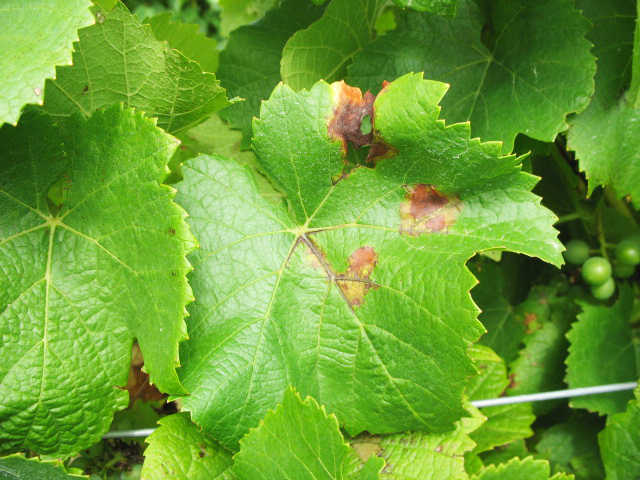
(597, 271)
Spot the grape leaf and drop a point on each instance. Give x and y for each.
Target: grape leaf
(517, 469)
(76, 287)
(504, 453)
(185, 38)
(570, 445)
(215, 136)
(325, 48)
(495, 296)
(503, 286)
(548, 313)
(119, 60)
(236, 13)
(620, 444)
(250, 63)
(601, 352)
(17, 467)
(297, 440)
(523, 74)
(343, 257)
(31, 48)
(604, 136)
(422, 456)
(179, 450)
(505, 423)
(440, 7)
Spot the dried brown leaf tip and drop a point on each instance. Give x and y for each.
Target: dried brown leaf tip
(426, 210)
(355, 283)
(350, 107)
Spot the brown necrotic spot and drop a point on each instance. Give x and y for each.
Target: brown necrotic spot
(350, 107)
(426, 210)
(355, 283)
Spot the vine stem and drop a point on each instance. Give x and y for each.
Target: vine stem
(600, 233)
(569, 217)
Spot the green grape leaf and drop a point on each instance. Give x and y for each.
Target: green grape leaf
(495, 297)
(439, 7)
(149, 76)
(620, 444)
(601, 351)
(31, 47)
(214, 136)
(185, 38)
(605, 135)
(520, 469)
(78, 285)
(505, 423)
(343, 257)
(504, 453)
(491, 379)
(250, 63)
(420, 456)
(296, 440)
(503, 286)
(572, 445)
(17, 467)
(548, 313)
(236, 13)
(326, 47)
(179, 450)
(524, 73)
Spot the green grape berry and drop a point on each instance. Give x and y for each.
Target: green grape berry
(623, 270)
(577, 252)
(604, 291)
(628, 252)
(596, 271)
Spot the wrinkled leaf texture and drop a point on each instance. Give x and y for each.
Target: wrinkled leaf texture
(357, 294)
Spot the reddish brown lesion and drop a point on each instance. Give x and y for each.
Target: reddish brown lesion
(426, 210)
(350, 107)
(356, 281)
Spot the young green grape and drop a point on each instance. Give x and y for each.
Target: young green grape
(604, 291)
(623, 270)
(577, 252)
(596, 271)
(628, 252)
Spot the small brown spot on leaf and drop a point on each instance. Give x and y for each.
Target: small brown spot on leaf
(350, 108)
(37, 91)
(531, 322)
(85, 89)
(426, 210)
(439, 449)
(172, 231)
(354, 283)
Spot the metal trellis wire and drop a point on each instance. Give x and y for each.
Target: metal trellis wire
(492, 402)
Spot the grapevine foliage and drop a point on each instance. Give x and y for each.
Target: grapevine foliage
(303, 237)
